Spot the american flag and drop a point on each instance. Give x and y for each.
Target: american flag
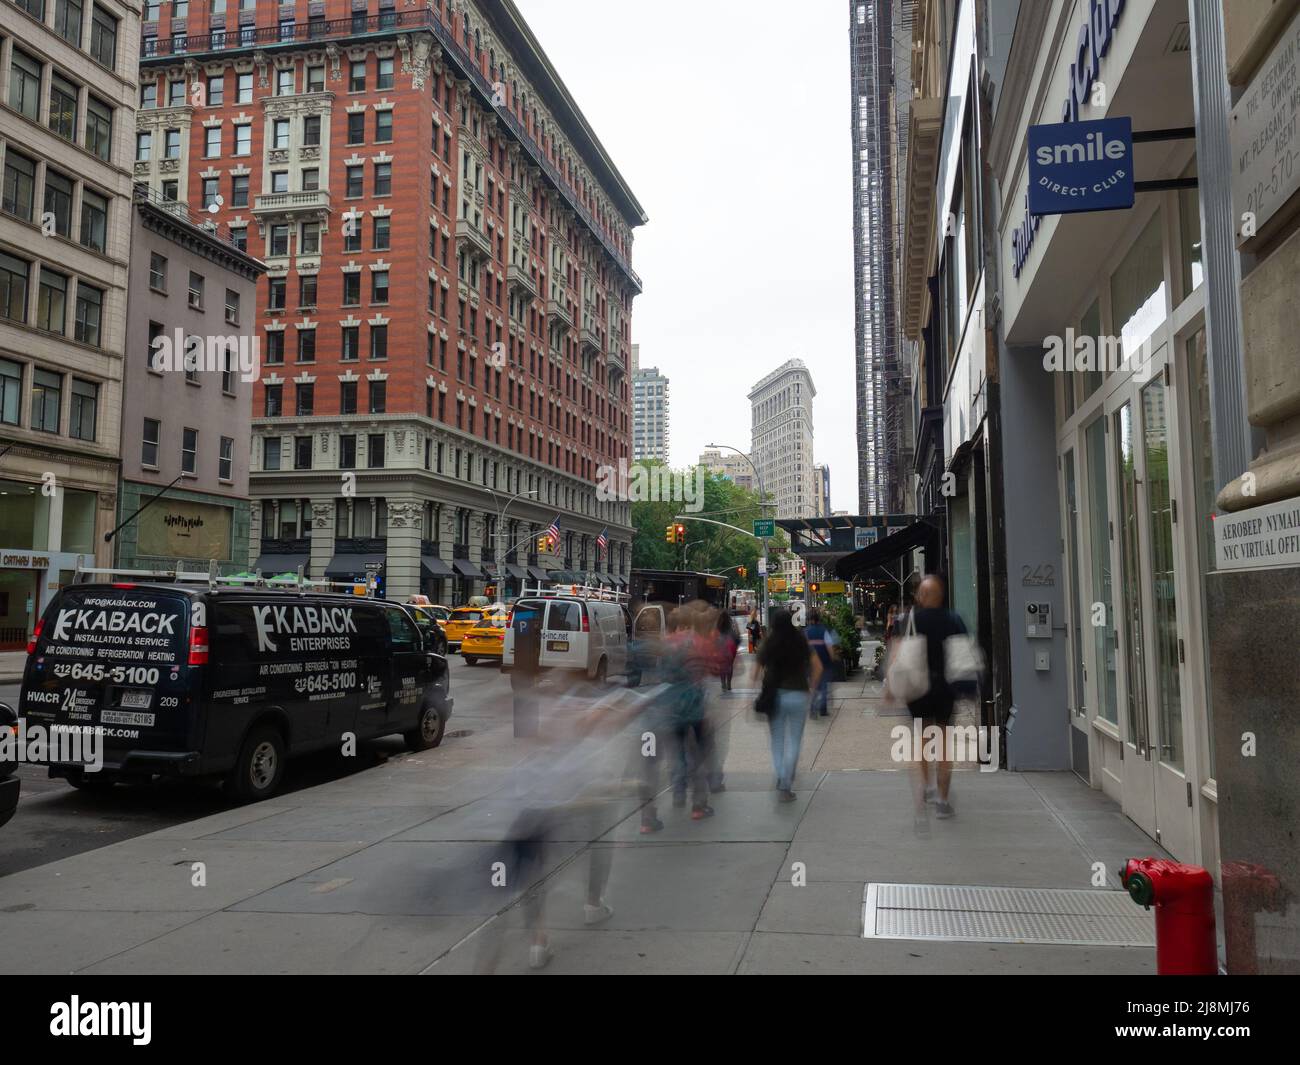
(554, 531)
(602, 541)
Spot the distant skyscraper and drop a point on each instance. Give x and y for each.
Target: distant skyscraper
(822, 484)
(782, 425)
(735, 468)
(649, 411)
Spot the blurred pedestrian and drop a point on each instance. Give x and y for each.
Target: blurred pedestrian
(932, 620)
(754, 629)
(821, 640)
(728, 645)
(790, 668)
(688, 654)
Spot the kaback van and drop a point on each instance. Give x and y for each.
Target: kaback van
(225, 681)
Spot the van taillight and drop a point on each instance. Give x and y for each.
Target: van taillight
(124, 586)
(198, 646)
(36, 635)
(586, 623)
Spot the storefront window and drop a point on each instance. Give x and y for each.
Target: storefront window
(24, 516)
(1137, 289)
(1189, 232)
(78, 521)
(1090, 326)
(1131, 588)
(1102, 585)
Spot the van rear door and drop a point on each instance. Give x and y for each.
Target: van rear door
(564, 643)
(115, 661)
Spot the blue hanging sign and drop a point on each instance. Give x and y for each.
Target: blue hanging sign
(1081, 166)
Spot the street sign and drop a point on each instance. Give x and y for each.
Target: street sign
(764, 527)
(776, 584)
(832, 587)
(1081, 166)
(762, 565)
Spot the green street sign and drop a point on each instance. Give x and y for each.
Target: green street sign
(764, 527)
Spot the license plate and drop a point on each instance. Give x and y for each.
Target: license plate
(136, 700)
(557, 645)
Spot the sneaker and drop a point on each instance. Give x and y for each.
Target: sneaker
(539, 955)
(596, 914)
(651, 824)
(786, 795)
(699, 813)
(943, 810)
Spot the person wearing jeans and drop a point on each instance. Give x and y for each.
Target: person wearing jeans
(790, 668)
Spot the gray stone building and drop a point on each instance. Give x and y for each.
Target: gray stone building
(192, 360)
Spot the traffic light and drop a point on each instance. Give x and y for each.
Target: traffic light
(670, 534)
(815, 588)
(743, 572)
(681, 533)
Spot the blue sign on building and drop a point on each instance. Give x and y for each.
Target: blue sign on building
(1081, 166)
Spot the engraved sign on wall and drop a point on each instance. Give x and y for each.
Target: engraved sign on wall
(182, 529)
(1265, 132)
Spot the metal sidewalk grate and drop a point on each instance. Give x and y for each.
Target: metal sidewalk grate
(1005, 915)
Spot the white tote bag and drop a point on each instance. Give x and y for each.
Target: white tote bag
(909, 672)
(962, 659)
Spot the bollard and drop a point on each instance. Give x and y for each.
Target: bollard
(1183, 896)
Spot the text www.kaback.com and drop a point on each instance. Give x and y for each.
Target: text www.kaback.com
(1182, 1031)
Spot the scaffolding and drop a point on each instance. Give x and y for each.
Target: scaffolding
(880, 33)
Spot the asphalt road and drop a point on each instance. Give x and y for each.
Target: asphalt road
(54, 820)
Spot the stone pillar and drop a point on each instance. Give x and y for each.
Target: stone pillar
(402, 571)
(1254, 613)
(321, 516)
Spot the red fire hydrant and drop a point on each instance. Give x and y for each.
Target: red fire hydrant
(1183, 896)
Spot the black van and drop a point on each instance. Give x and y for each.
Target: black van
(204, 681)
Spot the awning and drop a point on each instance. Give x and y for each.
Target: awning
(274, 565)
(537, 573)
(920, 533)
(353, 567)
(466, 568)
(517, 572)
(435, 567)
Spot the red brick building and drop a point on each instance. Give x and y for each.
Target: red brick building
(445, 324)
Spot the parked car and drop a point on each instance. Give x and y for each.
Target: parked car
(210, 680)
(485, 641)
(430, 628)
(10, 785)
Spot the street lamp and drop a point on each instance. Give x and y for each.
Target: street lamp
(501, 520)
(762, 502)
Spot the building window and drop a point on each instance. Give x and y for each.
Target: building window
(310, 179)
(379, 341)
(347, 451)
(379, 286)
(357, 76)
(274, 400)
(176, 94)
(13, 287)
(306, 345)
(196, 291)
(284, 82)
(280, 133)
(99, 128)
(352, 231)
(232, 307)
(244, 140)
(307, 290)
(85, 406)
(378, 397)
(271, 453)
(384, 78)
(171, 190)
(20, 185)
(103, 38)
(351, 343)
(244, 88)
(356, 127)
(311, 131)
(380, 240)
(211, 144)
(11, 386)
(383, 179)
(52, 301)
(355, 182)
(94, 220)
(90, 310)
(172, 144)
(315, 79)
(226, 460)
(383, 126)
(189, 450)
(279, 181)
(309, 239)
(144, 146)
(279, 240)
(276, 293)
(375, 451)
(67, 20)
(211, 193)
(347, 397)
(302, 452)
(25, 85)
(58, 201)
(47, 397)
(351, 289)
(149, 442)
(239, 189)
(239, 237)
(148, 95)
(305, 400)
(216, 90)
(63, 107)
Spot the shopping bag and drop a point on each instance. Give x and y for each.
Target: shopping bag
(963, 660)
(909, 672)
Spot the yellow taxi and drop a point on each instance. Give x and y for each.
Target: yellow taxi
(485, 640)
(461, 620)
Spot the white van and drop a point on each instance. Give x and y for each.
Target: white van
(579, 632)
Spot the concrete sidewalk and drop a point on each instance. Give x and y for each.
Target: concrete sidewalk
(389, 871)
(12, 664)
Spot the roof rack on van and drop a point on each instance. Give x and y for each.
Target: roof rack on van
(298, 582)
(581, 591)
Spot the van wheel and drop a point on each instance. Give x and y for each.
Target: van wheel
(601, 668)
(470, 660)
(260, 766)
(428, 731)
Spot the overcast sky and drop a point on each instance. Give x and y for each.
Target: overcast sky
(730, 122)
